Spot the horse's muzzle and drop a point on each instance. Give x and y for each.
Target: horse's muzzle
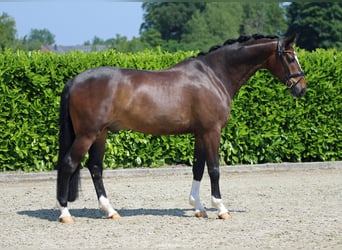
(298, 89)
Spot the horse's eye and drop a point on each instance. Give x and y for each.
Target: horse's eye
(291, 58)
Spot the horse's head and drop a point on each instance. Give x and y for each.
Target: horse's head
(285, 65)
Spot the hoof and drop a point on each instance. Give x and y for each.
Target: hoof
(115, 216)
(66, 220)
(201, 214)
(225, 216)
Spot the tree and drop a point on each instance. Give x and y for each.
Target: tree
(218, 22)
(37, 38)
(193, 25)
(97, 41)
(263, 18)
(7, 32)
(319, 24)
(43, 36)
(152, 37)
(168, 18)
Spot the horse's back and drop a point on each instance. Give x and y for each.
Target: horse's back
(169, 101)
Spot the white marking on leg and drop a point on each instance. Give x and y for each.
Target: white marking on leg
(194, 198)
(217, 203)
(106, 206)
(64, 211)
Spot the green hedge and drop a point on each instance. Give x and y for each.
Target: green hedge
(266, 125)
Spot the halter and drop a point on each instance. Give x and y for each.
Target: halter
(289, 82)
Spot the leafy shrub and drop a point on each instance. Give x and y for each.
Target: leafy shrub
(266, 125)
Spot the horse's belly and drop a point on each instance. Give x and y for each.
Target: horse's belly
(156, 124)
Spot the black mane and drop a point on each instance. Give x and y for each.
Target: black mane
(241, 39)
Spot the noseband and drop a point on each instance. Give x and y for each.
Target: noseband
(290, 83)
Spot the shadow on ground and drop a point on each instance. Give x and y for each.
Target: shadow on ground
(92, 213)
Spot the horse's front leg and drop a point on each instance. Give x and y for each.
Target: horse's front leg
(212, 142)
(197, 171)
(94, 164)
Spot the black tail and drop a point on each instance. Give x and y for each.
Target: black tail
(66, 139)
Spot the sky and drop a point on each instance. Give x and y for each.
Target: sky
(74, 22)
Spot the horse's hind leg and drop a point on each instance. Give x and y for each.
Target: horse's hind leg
(69, 166)
(95, 166)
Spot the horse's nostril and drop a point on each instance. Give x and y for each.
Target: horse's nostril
(302, 92)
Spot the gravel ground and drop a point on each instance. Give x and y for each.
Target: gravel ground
(272, 206)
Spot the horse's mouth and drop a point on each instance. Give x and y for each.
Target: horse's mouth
(298, 92)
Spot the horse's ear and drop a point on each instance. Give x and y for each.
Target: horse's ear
(290, 41)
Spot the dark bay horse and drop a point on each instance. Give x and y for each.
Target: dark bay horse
(194, 96)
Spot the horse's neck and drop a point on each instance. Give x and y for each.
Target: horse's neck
(234, 66)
